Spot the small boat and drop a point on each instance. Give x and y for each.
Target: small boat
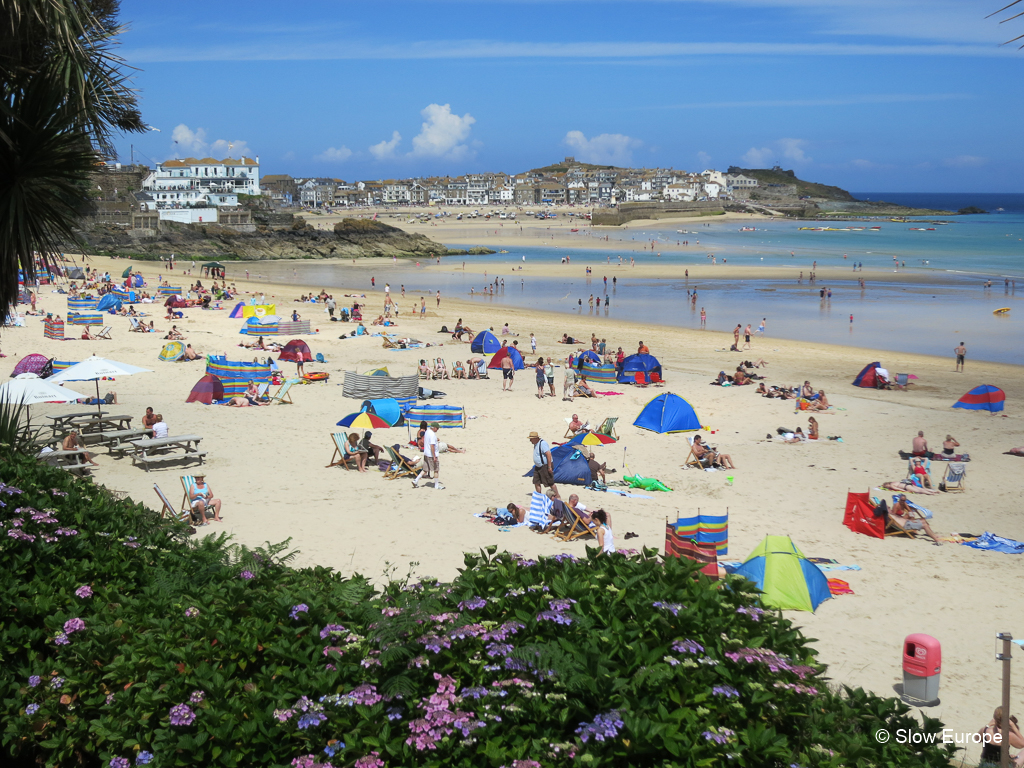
(574, 230)
(876, 228)
(1001, 311)
(748, 229)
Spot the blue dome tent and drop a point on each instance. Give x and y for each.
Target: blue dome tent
(385, 407)
(485, 343)
(668, 413)
(570, 465)
(587, 356)
(646, 364)
(110, 301)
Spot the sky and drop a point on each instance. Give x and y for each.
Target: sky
(884, 95)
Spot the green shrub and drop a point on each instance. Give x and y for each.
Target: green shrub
(122, 640)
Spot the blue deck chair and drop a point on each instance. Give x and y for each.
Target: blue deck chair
(955, 479)
(320, 357)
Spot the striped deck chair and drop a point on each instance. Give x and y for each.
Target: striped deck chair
(540, 510)
(902, 380)
(340, 457)
(578, 527)
(136, 325)
(608, 427)
(954, 480)
(183, 515)
(282, 396)
(705, 554)
(104, 333)
(399, 467)
(187, 482)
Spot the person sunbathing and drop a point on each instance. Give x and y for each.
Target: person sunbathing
(458, 371)
(413, 463)
(908, 487)
(356, 451)
(598, 470)
(794, 437)
(820, 402)
(474, 364)
(174, 334)
(425, 371)
(704, 454)
(739, 378)
(519, 513)
(576, 425)
(86, 335)
(949, 445)
(759, 364)
(812, 428)
(371, 449)
(920, 473)
(906, 518)
(584, 389)
(73, 443)
(807, 391)
(762, 391)
(191, 354)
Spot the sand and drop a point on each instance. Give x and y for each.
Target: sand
(268, 465)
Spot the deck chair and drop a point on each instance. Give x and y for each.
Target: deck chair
(104, 333)
(656, 379)
(389, 344)
(927, 463)
(891, 529)
(902, 380)
(399, 466)
(640, 379)
(691, 457)
(282, 395)
(955, 477)
(183, 515)
(577, 527)
(341, 457)
(424, 371)
(568, 430)
(608, 427)
(187, 481)
(136, 326)
(578, 391)
(441, 369)
(320, 357)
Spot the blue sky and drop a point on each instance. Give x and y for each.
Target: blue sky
(889, 95)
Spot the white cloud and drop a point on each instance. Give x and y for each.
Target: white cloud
(606, 149)
(758, 158)
(335, 154)
(965, 161)
(385, 149)
(864, 165)
(793, 149)
(193, 143)
(442, 133)
(703, 159)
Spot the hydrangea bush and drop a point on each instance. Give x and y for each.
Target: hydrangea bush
(179, 652)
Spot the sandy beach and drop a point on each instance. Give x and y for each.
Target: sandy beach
(268, 464)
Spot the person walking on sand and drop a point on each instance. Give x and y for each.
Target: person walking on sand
(961, 353)
(736, 336)
(760, 328)
(431, 454)
(541, 379)
(543, 466)
(746, 337)
(439, 298)
(508, 371)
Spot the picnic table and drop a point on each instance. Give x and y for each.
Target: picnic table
(174, 448)
(73, 461)
(60, 422)
(120, 440)
(91, 430)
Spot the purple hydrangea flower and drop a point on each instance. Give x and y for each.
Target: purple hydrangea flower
(144, 758)
(246, 575)
(84, 591)
(182, 714)
(687, 646)
(555, 616)
(191, 612)
(119, 762)
(196, 697)
(57, 683)
(331, 629)
(725, 690)
(61, 639)
(473, 604)
(66, 532)
(311, 720)
(110, 698)
(73, 625)
(334, 746)
(673, 608)
(605, 726)
(31, 709)
(33, 681)
(371, 760)
(297, 609)
(719, 735)
(752, 611)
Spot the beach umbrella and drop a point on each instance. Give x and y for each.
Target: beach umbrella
(592, 438)
(95, 368)
(173, 350)
(297, 351)
(33, 363)
(983, 398)
(363, 420)
(28, 389)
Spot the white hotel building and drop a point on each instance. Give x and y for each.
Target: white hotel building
(203, 183)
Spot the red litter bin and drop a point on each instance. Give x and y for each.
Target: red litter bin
(922, 663)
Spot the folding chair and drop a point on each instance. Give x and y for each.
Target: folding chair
(340, 456)
(424, 371)
(187, 481)
(282, 396)
(608, 427)
(579, 391)
(640, 379)
(104, 333)
(399, 466)
(926, 463)
(568, 430)
(955, 478)
(441, 369)
(136, 326)
(902, 380)
(577, 526)
(183, 515)
(691, 457)
(320, 357)
(891, 529)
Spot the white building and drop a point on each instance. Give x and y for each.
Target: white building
(191, 182)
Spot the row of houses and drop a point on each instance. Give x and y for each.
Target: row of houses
(192, 182)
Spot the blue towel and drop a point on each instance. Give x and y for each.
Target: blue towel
(992, 543)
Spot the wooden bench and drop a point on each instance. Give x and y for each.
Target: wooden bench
(120, 440)
(163, 449)
(72, 461)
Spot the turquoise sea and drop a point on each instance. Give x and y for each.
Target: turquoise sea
(931, 318)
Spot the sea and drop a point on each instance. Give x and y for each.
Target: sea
(955, 257)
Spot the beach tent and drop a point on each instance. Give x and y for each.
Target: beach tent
(296, 351)
(571, 467)
(787, 579)
(982, 398)
(634, 364)
(867, 378)
(75, 273)
(445, 416)
(108, 302)
(387, 408)
(377, 372)
(173, 350)
(127, 272)
(860, 516)
(235, 375)
(207, 390)
(30, 364)
(501, 354)
(668, 413)
(485, 343)
(599, 374)
(587, 356)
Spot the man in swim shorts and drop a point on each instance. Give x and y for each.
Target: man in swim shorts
(961, 353)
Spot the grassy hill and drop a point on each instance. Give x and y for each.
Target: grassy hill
(772, 177)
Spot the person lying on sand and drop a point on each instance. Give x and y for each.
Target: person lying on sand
(905, 487)
(174, 334)
(794, 437)
(906, 518)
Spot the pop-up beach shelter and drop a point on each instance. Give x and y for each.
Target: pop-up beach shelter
(860, 516)
(501, 354)
(787, 579)
(867, 378)
(485, 343)
(33, 363)
(570, 465)
(982, 398)
(207, 390)
(388, 408)
(587, 356)
(634, 364)
(297, 351)
(108, 302)
(668, 413)
(172, 351)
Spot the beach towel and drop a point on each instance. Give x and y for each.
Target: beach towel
(839, 587)
(540, 510)
(607, 394)
(992, 543)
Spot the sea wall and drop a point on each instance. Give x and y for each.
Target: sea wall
(625, 212)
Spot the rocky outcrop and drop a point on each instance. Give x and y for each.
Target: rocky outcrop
(351, 238)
